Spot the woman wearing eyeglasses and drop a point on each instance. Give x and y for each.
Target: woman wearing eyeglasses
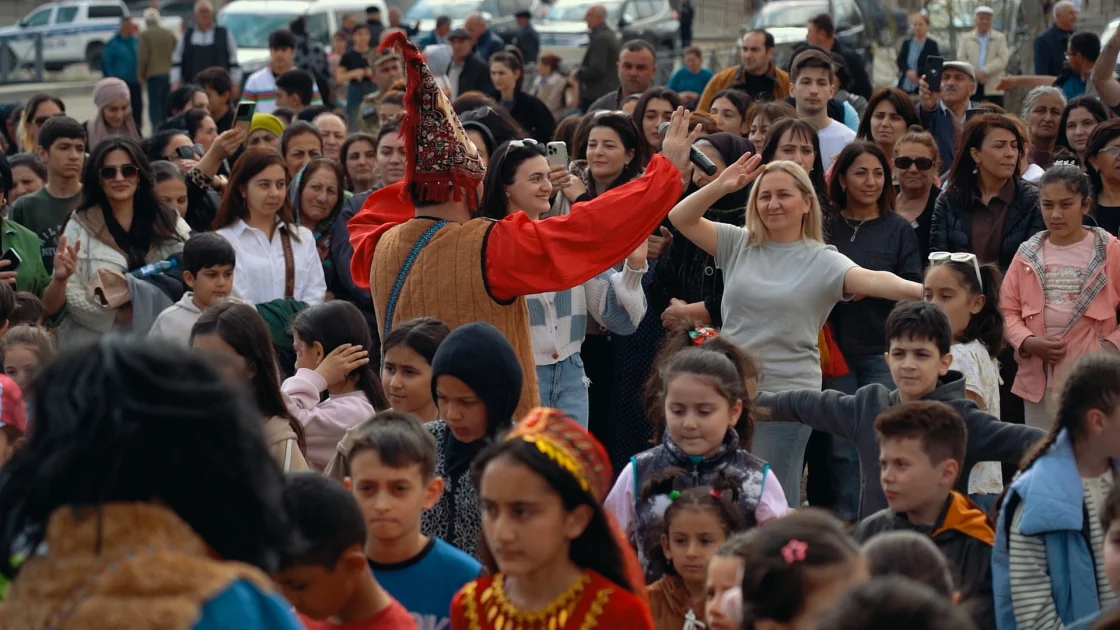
(916, 163)
(119, 226)
(176, 147)
(1102, 163)
(38, 110)
(987, 208)
(517, 179)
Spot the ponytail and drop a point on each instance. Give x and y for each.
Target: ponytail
(689, 334)
(1093, 383)
(720, 496)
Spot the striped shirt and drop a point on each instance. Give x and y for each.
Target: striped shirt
(1031, 596)
(261, 88)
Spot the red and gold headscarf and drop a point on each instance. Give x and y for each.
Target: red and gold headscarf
(570, 446)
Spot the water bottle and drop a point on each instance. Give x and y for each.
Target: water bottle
(155, 268)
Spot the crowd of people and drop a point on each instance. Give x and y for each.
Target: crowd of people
(424, 344)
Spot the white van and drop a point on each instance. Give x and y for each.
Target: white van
(251, 21)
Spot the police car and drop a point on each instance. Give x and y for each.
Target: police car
(74, 31)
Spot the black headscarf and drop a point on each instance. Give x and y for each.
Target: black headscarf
(479, 355)
(731, 147)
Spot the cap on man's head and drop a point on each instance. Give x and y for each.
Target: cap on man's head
(523, 13)
(459, 33)
(373, 8)
(984, 10)
(384, 56)
(960, 66)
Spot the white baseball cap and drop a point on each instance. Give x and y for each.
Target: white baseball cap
(983, 9)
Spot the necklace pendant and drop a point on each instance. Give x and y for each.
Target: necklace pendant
(853, 239)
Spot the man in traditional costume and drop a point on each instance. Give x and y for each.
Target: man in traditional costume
(424, 254)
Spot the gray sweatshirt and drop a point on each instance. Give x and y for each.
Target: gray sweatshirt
(853, 418)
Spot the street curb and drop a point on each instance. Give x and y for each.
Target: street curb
(23, 91)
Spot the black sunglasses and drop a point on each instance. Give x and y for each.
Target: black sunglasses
(39, 120)
(127, 171)
(903, 163)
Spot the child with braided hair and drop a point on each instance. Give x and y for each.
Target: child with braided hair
(697, 522)
(1047, 569)
(705, 411)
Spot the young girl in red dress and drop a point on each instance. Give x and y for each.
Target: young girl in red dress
(556, 559)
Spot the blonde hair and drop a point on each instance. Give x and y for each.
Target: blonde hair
(811, 223)
(36, 337)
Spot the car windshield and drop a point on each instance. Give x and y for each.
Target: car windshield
(251, 30)
(431, 9)
(575, 10)
(778, 15)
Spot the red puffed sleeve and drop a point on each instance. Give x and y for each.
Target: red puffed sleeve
(382, 210)
(525, 256)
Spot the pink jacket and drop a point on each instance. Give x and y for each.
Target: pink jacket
(1021, 301)
(324, 423)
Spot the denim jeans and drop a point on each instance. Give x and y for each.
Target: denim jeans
(782, 445)
(563, 386)
(842, 463)
(159, 89)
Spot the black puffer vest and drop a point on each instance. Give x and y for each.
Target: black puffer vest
(668, 455)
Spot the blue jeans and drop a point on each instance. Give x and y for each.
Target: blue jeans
(782, 445)
(842, 462)
(159, 89)
(563, 386)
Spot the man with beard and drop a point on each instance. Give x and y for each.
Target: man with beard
(756, 76)
(942, 113)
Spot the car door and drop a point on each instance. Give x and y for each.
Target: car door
(23, 43)
(850, 28)
(60, 41)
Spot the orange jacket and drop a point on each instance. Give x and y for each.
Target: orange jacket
(732, 76)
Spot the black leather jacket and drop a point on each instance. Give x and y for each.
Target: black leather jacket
(951, 226)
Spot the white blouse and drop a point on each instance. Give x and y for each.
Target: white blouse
(259, 272)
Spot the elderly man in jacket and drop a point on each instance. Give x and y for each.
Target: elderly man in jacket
(985, 49)
(942, 113)
(595, 73)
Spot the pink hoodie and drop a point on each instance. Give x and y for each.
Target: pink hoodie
(324, 422)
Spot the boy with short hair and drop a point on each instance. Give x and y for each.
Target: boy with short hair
(812, 75)
(918, 341)
(218, 85)
(324, 574)
(263, 85)
(392, 474)
(296, 90)
(208, 261)
(921, 450)
(62, 148)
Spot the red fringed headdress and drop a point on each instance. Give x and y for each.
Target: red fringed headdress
(443, 164)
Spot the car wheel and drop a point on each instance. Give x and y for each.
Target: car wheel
(93, 55)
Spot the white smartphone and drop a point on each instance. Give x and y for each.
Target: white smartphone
(557, 154)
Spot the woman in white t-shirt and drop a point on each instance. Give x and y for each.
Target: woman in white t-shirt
(781, 283)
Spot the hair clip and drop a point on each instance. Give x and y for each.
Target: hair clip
(700, 334)
(1064, 163)
(674, 495)
(794, 551)
(716, 494)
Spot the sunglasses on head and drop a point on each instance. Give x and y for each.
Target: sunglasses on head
(127, 171)
(520, 144)
(610, 112)
(903, 163)
(966, 258)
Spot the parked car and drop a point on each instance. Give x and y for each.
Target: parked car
(787, 21)
(74, 31)
(251, 21)
(500, 13)
(563, 30)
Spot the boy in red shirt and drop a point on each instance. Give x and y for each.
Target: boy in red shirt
(325, 574)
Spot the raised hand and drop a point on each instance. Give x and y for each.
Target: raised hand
(678, 141)
(744, 171)
(341, 362)
(65, 259)
(227, 142)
